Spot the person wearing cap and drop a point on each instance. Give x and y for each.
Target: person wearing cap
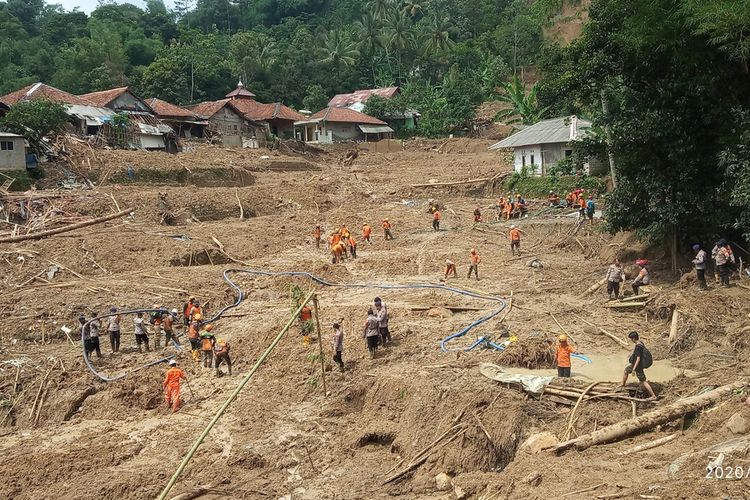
(474, 260)
(171, 386)
(436, 220)
(366, 232)
(450, 268)
(187, 311)
(194, 335)
(95, 327)
(371, 333)
(155, 318)
(208, 340)
(113, 328)
(387, 229)
(562, 356)
(615, 275)
(381, 312)
(141, 332)
(643, 277)
(700, 266)
(514, 235)
(521, 207)
(723, 257)
(316, 235)
(552, 199)
(221, 354)
(167, 324)
(635, 365)
(337, 343)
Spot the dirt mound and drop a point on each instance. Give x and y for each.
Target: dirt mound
(529, 352)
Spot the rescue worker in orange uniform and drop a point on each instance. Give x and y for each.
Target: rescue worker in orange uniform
(221, 355)
(316, 234)
(581, 207)
(352, 246)
(171, 386)
(186, 310)
(306, 325)
(208, 340)
(500, 207)
(366, 232)
(475, 259)
(436, 220)
(562, 356)
(387, 229)
(194, 335)
(515, 240)
(570, 200)
(334, 239)
(338, 251)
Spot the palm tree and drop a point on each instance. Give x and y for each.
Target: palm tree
(437, 36)
(370, 41)
(337, 49)
(524, 107)
(381, 8)
(399, 36)
(413, 8)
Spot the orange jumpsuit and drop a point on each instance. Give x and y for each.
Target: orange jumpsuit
(387, 230)
(352, 246)
(171, 387)
(316, 233)
(366, 232)
(338, 250)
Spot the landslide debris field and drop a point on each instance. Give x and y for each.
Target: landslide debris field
(412, 409)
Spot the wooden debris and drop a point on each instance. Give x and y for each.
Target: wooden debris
(651, 419)
(673, 327)
(623, 343)
(594, 287)
(619, 305)
(650, 444)
(71, 227)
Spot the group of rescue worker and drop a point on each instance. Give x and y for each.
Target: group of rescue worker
(509, 208)
(342, 243)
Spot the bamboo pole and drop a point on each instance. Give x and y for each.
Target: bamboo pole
(673, 327)
(320, 343)
(605, 332)
(650, 444)
(59, 230)
(186, 459)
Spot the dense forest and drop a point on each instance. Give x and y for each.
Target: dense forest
(666, 82)
(451, 54)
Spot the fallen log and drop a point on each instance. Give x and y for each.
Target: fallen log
(651, 419)
(623, 343)
(71, 227)
(650, 444)
(618, 305)
(457, 183)
(673, 326)
(594, 287)
(641, 297)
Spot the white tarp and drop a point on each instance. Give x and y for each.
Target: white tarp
(534, 384)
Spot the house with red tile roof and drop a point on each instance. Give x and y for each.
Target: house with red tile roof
(280, 118)
(227, 122)
(185, 123)
(119, 99)
(404, 120)
(342, 124)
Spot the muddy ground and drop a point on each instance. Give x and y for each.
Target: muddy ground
(283, 437)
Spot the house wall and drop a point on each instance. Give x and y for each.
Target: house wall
(343, 131)
(12, 159)
(230, 126)
(530, 156)
(128, 102)
(283, 129)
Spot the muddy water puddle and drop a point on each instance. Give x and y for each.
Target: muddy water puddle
(609, 368)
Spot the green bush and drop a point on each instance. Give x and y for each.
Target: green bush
(539, 187)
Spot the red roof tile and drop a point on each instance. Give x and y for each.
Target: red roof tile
(42, 91)
(254, 110)
(104, 97)
(360, 96)
(208, 109)
(345, 115)
(164, 109)
(240, 92)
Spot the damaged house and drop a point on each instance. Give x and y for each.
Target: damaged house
(185, 123)
(229, 125)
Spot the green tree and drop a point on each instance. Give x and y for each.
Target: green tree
(315, 99)
(338, 50)
(523, 106)
(727, 24)
(399, 37)
(381, 9)
(35, 119)
(437, 38)
(414, 8)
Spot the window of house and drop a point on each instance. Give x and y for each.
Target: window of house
(568, 153)
(6, 145)
(532, 159)
(523, 160)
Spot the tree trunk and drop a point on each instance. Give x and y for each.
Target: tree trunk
(71, 227)
(651, 419)
(608, 133)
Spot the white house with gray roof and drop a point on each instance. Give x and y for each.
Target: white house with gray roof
(539, 146)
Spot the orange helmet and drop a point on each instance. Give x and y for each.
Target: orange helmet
(197, 316)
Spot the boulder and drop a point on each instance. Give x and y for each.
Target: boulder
(737, 424)
(537, 442)
(443, 482)
(459, 492)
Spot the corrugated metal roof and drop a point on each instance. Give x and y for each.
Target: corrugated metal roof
(8, 134)
(375, 129)
(360, 96)
(551, 131)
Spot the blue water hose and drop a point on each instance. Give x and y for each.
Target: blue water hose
(581, 357)
(240, 296)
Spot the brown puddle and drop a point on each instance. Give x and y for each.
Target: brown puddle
(609, 368)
